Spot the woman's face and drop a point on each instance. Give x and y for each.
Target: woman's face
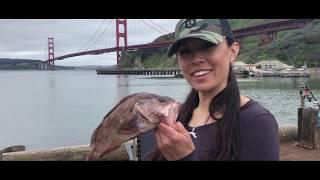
(204, 66)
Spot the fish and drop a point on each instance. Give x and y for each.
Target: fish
(132, 116)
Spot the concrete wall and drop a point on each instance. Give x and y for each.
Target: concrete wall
(72, 153)
(288, 133)
(78, 153)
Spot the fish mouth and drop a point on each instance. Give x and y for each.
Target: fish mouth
(166, 114)
(150, 119)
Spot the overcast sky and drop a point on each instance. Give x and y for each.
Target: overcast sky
(27, 39)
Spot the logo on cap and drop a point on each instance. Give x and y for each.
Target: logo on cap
(189, 23)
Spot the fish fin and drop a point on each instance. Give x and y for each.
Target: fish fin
(121, 101)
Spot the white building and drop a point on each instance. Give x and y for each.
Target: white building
(273, 64)
(244, 66)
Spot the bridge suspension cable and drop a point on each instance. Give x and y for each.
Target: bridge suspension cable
(58, 49)
(134, 32)
(106, 39)
(92, 36)
(149, 25)
(45, 57)
(159, 26)
(107, 27)
(162, 33)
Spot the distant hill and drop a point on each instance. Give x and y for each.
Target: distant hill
(18, 64)
(31, 64)
(17, 61)
(24, 64)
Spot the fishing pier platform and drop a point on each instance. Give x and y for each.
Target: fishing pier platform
(129, 71)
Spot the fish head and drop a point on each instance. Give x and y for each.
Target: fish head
(157, 109)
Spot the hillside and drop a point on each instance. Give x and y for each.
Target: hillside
(291, 47)
(151, 58)
(18, 64)
(294, 48)
(24, 64)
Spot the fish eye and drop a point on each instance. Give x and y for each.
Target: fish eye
(162, 99)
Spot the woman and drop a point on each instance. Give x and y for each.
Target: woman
(214, 122)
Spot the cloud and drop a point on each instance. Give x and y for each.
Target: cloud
(27, 38)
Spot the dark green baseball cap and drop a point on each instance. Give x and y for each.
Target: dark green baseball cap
(211, 30)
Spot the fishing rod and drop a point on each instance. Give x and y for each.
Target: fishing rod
(312, 95)
(309, 90)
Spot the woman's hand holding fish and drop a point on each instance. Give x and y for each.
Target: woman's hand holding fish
(174, 141)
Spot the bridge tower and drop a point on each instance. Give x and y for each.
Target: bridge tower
(121, 34)
(50, 53)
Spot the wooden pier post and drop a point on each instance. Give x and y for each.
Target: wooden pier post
(308, 128)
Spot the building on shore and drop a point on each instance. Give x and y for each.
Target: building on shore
(244, 66)
(272, 64)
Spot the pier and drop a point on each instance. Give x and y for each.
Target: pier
(129, 71)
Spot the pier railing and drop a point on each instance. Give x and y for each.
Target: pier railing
(168, 71)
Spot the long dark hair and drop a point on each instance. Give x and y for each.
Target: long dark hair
(226, 102)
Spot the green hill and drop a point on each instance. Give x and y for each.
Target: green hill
(291, 47)
(24, 64)
(18, 64)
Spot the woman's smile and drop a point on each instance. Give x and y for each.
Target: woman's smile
(201, 74)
